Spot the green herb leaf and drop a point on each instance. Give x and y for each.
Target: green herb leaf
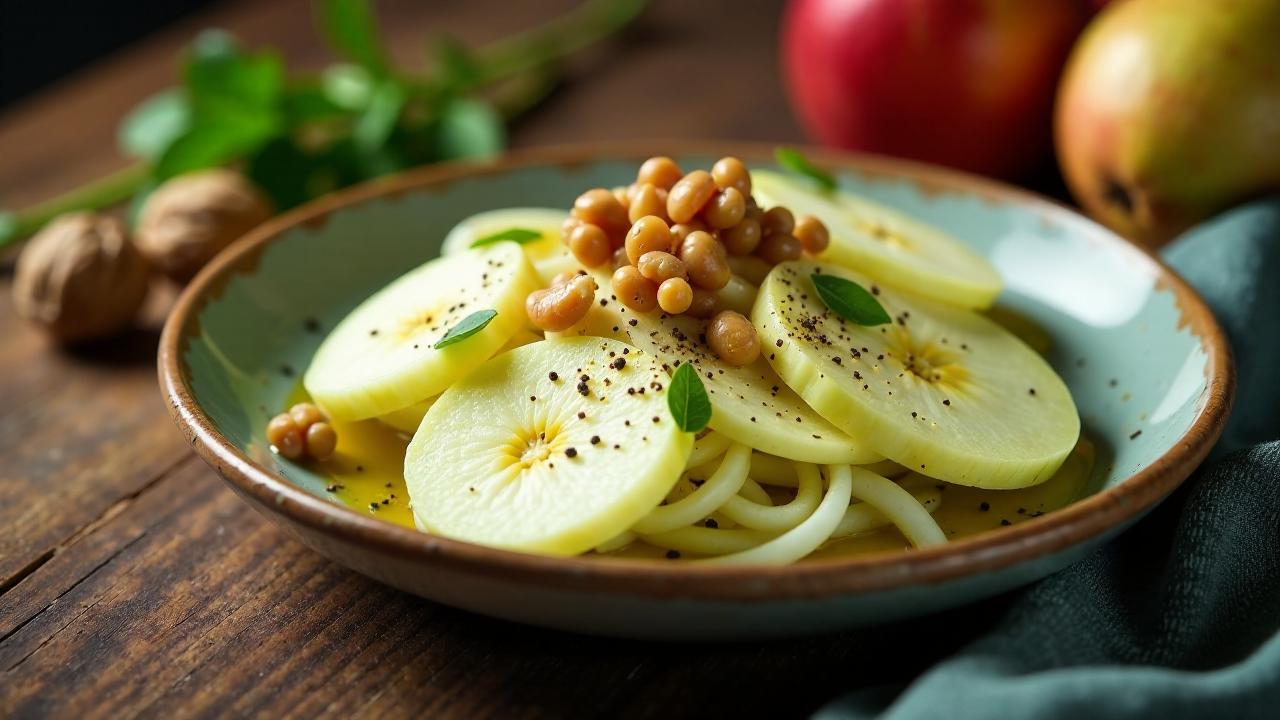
(456, 65)
(352, 31)
(310, 103)
(149, 129)
(235, 102)
(849, 300)
(224, 84)
(207, 145)
(469, 326)
(8, 227)
(348, 86)
(521, 236)
(793, 160)
(468, 129)
(374, 126)
(687, 399)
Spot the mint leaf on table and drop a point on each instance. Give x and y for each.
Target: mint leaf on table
(148, 130)
(794, 161)
(468, 128)
(520, 236)
(687, 400)
(849, 300)
(470, 325)
(351, 28)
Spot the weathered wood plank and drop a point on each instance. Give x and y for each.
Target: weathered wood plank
(186, 598)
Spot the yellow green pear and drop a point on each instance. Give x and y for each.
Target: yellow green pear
(1169, 112)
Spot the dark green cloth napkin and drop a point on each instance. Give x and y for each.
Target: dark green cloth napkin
(1178, 617)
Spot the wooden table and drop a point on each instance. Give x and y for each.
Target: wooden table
(133, 583)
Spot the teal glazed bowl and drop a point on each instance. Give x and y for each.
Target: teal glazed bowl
(1148, 366)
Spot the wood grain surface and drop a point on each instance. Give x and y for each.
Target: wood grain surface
(132, 583)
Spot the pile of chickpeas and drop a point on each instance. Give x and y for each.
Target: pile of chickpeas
(303, 432)
(669, 237)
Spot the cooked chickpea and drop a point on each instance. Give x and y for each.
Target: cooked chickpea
(779, 247)
(564, 277)
(649, 233)
(705, 303)
(743, 238)
(705, 259)
(726, 209)
(675, 295)
(600, 207)
(733, 338)
(680, 231)
(284, 434)
(687, 198)
(623, 196)
(649, 199)
(560, 306)
(567, 227)
(633, 290)
(590, 245)
(777, 220)
(660, 266)
(812, 234)
(321, 440)
(662, 172)
(729, 172)
(305, 414)
(750, 268)
(620, 258)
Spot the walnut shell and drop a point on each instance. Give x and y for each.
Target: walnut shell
(80, 278)
(188, 219)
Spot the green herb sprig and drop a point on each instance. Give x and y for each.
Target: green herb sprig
(299, 136)
(849, 300)
(469, 325)
(794, 161)
(687, 400)
(521, 236)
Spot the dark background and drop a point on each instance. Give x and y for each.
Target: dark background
(43, 40)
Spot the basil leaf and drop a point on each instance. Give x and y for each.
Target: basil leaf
(687, 399)
(352, 32)
(849, 300)
(148, 130)
(521, 236)
(469, 326)
(468, 129)
(793, 160)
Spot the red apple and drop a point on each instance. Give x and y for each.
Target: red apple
(966, 83)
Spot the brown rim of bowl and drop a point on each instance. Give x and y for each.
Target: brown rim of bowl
(986, 552)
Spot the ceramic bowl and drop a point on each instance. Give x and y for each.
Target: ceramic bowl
(1148, 366)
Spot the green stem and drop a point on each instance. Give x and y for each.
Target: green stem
(102, 193)
(586, 24)
(530, 52)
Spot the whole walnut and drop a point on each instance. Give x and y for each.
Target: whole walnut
(188, 219)
(80, 278)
